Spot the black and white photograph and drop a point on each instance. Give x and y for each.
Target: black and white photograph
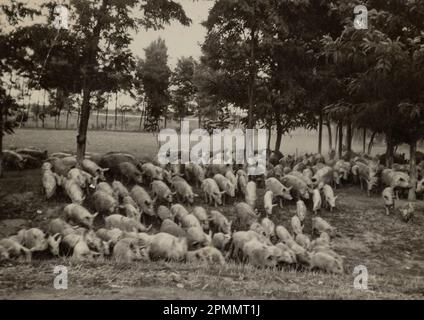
(212, 150)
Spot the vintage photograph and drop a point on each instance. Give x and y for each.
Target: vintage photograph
(212, 149)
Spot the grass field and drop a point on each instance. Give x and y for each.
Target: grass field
(391, 250)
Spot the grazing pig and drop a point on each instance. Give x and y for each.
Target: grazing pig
(169, 226)
(49, 180)
(195, 172)
(282, 234)
(4, 254)
(124, 223)
(278, 189)
(201, 215)
(225, 185)
(302, 177)
(301, 210)
(82, 178)
(407, 212)
(329, 198)
(244, 217)
(164, 213)
(207, 254)
(242, 180)
(250, 194)
(316, 200)
(219, 223)
(197, 238)
(282, 255)
(319, 225)
(105, 187)
(232, 178)
(129, 173)
(221, 241)
(79, 215)
(127, 250)
(190, 220)
(58, 225)
(77, 245)
(269, 227)
(111, 236)
(60, 167)
(367, 174)
(161, 191)
(143, 200)
(14, 249)
(211, 192)
(33, 239)
(13, 160)
(129, 200)
(322, 241)
(259, 229)
(239, 239)
(303, 240)
(104, 203)
(395, 179)
(183, 189)
(74, 191)
(94, 169)
(131, 211)
(268, 199)
(389, 199)
(258, 254)
(296, 225)
(179, 211)
(326, 262)
(302, 255)
(152, 172)
(297, 185)
(166, 246)
(119, 190)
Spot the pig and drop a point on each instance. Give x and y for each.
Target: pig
(58, 225)
(60, 167)
(179, 211)
(395, 179)
(12, 249)
(152, 172)
(420, 186)
(365, 173)
(35, 153)
(190, 220)
(201, 215)
(326, 262)
(283, 256)
(239, 238)
(49, 180)
(302, 177)
(105, 187)
(166, 246)
(258, 228)
(278, 189)
(316, 200)
(164, 213)
(219, 223)
(112, 159)
(111, 236)
(343, 168)
(319, 225)
(207, 254)
(244, 217)
(143, 200)
(4, 254)
(131, 211)
(389, 199)
(325, 175)
(33, 239)
(129, 173)
(127, 250)
(282, 234)
(119, 190)
(161, 190)
(297, 185)
(302, 255)
(250, 194)
(232, 178)
(129, 200)
(74, 191)
(195, 172)
(79, 215)
(104, 203)
(96, 243)
(269, 227)
(169, 226)
(301, 210)
(258, 254)
(124, 223)
(407, 212)
(211, 192)
(221, 241)
(329, 198)
(197, 238)
(322, 241)
(94, 169)
(142, 238)
(268, 199)
(183, 189)
(296, 225)
(82, 178)
(303, 240)
(78, 246)
(242, 180)
(13, 160)
(308, 174)
(225, 185)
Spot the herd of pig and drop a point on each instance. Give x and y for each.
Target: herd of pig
(126, 194)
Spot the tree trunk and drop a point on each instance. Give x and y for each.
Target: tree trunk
(44, 110)
(200, 119)
(78, 116)
(2, 112)
(268, 147)
(364, 140)
(252, 72)
(107, 112)
(413, 170)
(340, 126)
(320, 133)
(349, 137)
(83, 125)
(279, 137)
(371, 143)
(116, 109)
(389, 150)
(67, 116)
(97, 119)
(336, 136)
(330, 136)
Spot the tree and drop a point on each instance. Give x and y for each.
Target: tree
(154, 75)
(184, 90)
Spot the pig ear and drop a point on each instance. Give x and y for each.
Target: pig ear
(195, 195)
(105, 169)
(222, 192)
(289, 188)
(95, 215)
(57, 235)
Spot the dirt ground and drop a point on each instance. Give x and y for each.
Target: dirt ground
(391, 250)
